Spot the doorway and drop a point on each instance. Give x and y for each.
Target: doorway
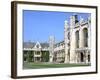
(82, 57)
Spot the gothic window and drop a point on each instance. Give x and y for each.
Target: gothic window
(69, 35)
(77, 39)
(85, 37)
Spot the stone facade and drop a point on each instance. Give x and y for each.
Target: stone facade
(77, 40)
(59, 52)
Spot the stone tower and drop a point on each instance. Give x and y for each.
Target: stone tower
(51, 47)
(73, 21)
(66, 40)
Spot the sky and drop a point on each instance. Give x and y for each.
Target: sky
(39, 25)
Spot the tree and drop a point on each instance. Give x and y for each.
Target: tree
(45, 56)
(30, 56)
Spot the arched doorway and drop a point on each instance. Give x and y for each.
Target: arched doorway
(85, 37)
(88, 58)
(81, 57)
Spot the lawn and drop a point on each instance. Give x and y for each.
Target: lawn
(32, 65)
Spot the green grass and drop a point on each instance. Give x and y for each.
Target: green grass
(33, 65)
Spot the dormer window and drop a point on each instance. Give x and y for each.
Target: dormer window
(37, 45)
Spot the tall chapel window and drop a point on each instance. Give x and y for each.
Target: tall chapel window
(77, 39)
(85, 37)
(69, 35)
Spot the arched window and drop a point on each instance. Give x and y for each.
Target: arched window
(85, 37)
(69, 35)
(77, 39)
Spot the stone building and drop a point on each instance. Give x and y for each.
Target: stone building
(77, 40)
(36, 52)
(59, 52)
(75, 48)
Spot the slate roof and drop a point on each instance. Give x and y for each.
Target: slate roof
(32, 44)
(28, 44)
(44, 45)
(59, 43)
